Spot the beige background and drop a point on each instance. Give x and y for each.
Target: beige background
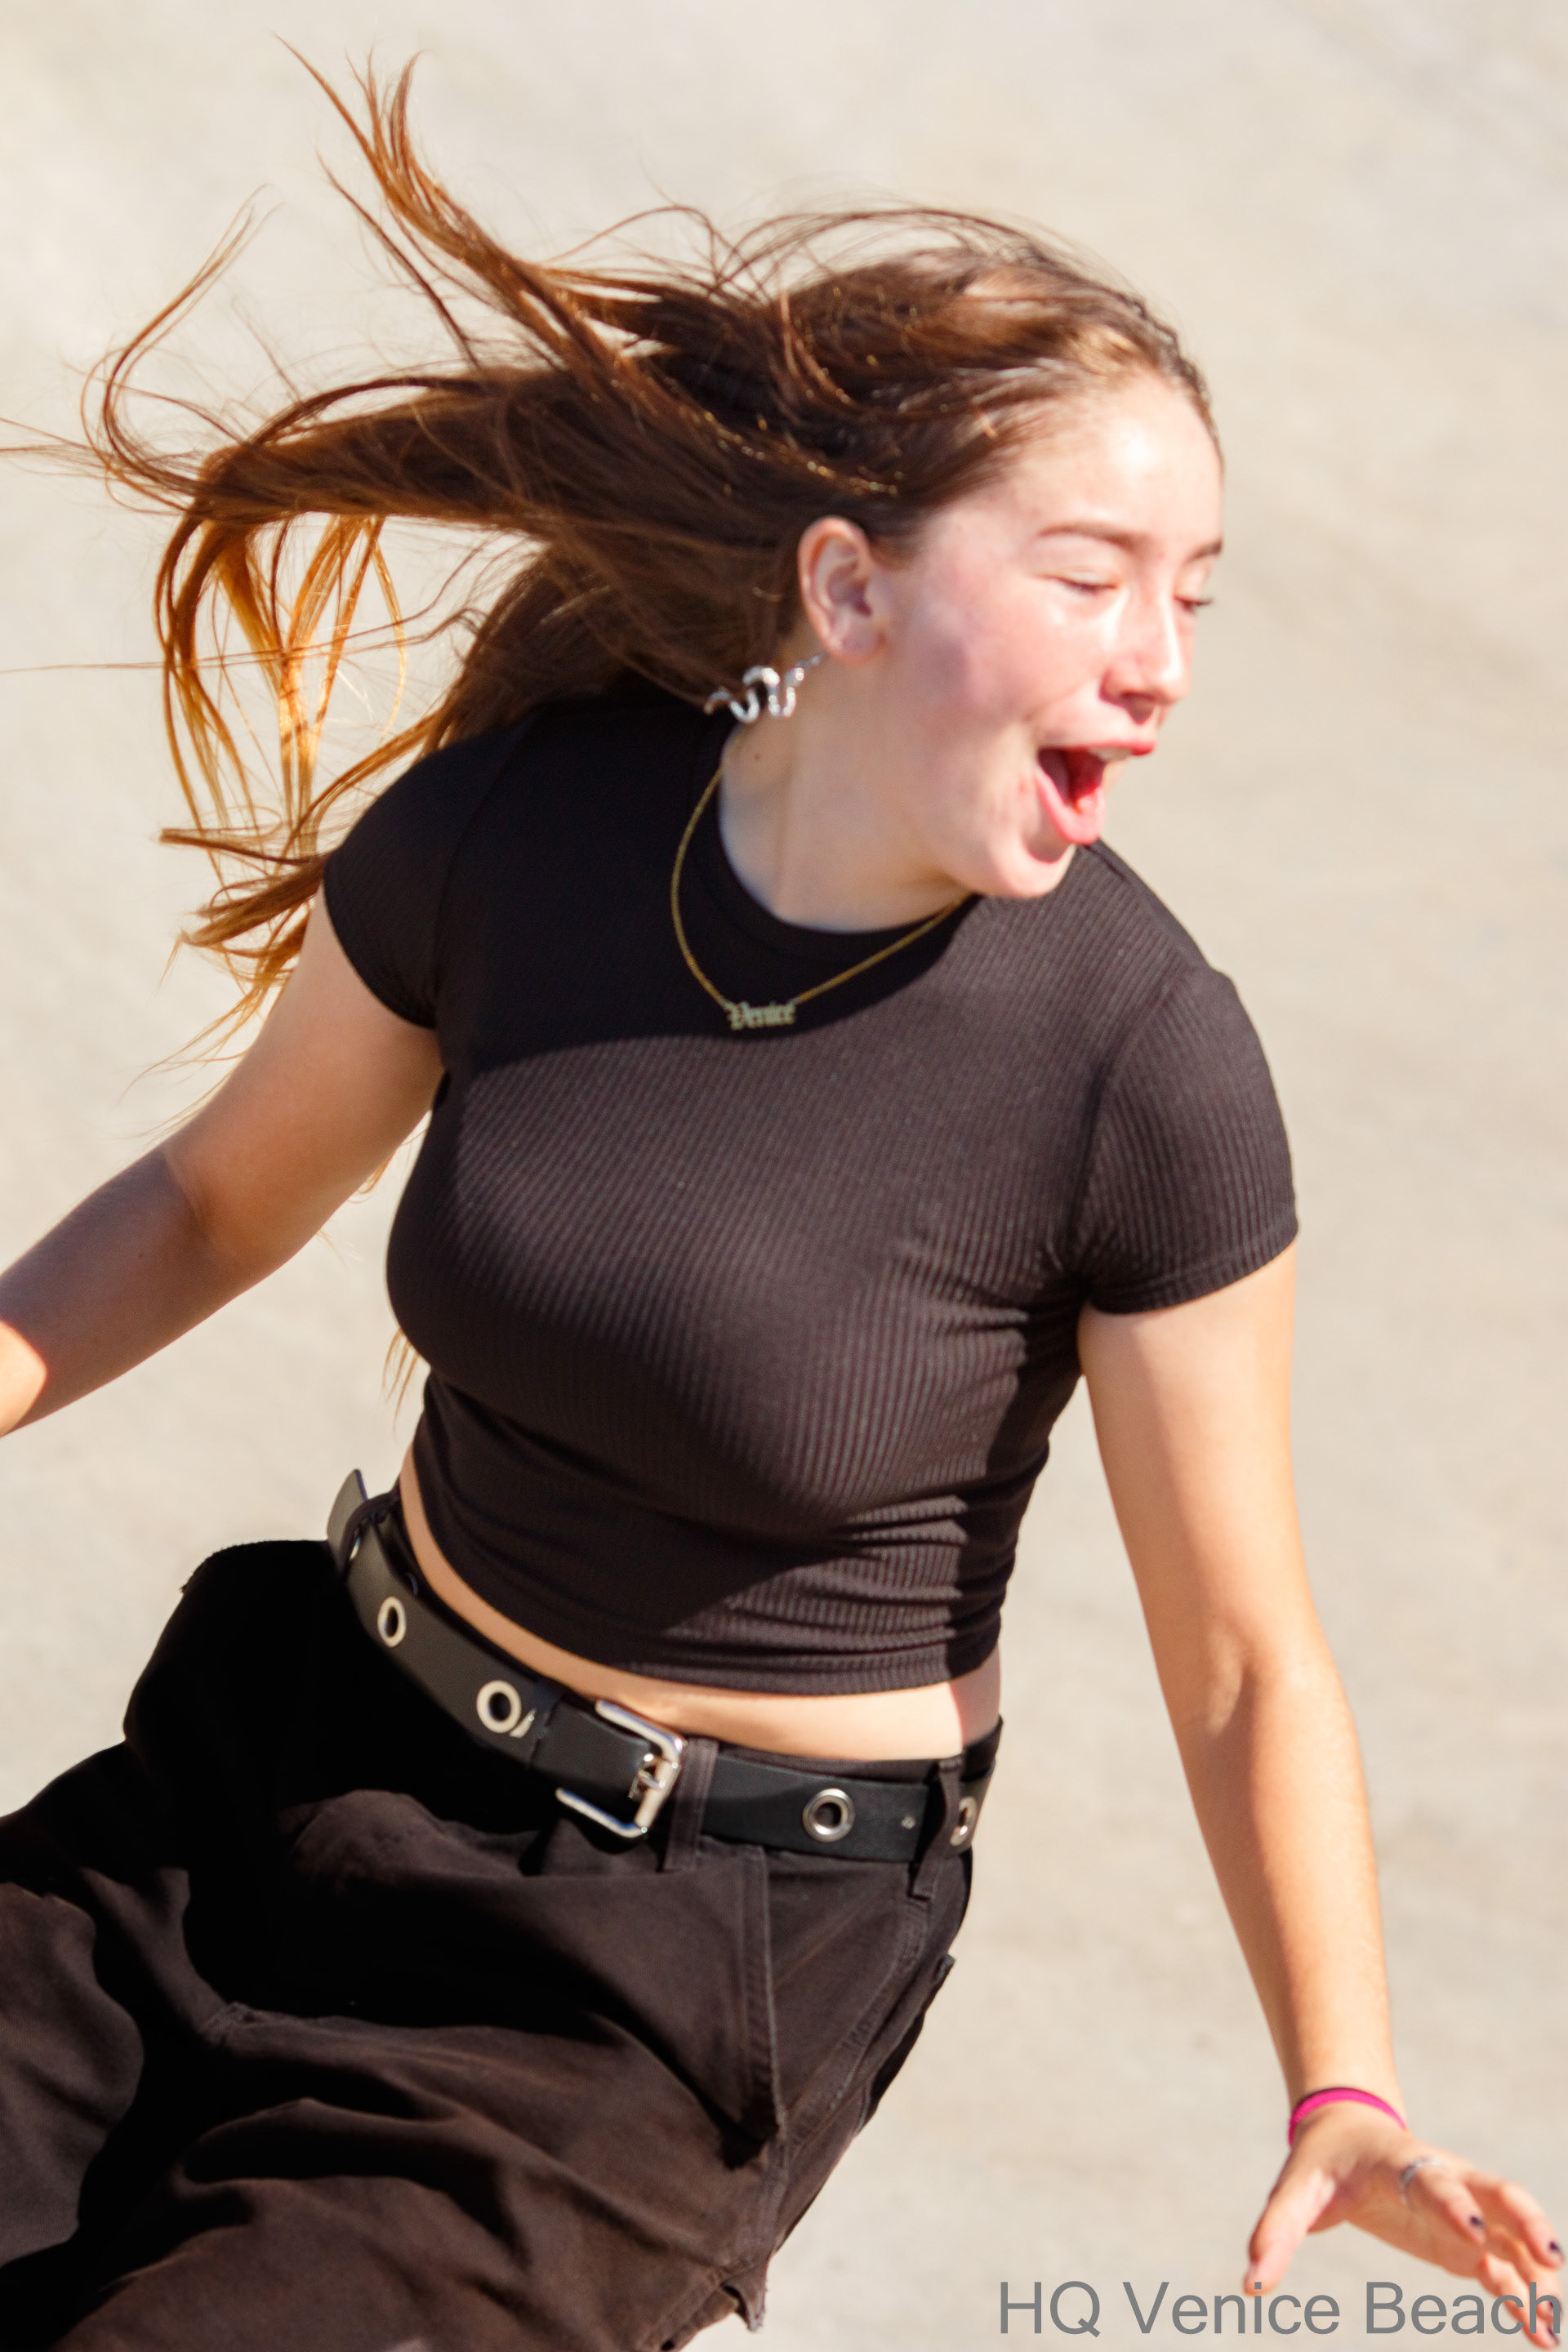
(1358, 209)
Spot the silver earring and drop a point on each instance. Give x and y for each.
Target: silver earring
(776, 696)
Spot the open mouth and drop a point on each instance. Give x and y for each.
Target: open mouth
(1072, 787)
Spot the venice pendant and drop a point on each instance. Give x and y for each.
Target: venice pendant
(761, 1017)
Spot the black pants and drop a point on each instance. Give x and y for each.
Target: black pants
(325, 2030)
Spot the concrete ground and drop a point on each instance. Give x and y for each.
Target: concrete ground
(1358, 209)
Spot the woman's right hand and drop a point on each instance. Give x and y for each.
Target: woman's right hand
(323, 1097)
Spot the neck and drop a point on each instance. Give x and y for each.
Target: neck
(811, 827)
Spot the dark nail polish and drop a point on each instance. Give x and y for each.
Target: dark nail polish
(1553, 2248)
(1477, 2223)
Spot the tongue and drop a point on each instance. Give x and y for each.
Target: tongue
(1072, 787)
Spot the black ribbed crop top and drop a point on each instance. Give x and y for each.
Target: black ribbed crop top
(745, 1350)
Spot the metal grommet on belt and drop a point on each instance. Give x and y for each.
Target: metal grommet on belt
(498, 1707)
(392, 1622)
(617, 1768)
(829, 1815)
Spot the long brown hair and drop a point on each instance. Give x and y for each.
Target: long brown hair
(643, 444)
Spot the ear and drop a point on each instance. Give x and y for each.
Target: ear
(839, 576)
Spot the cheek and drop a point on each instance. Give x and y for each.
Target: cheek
(942, 655)
(977, 652)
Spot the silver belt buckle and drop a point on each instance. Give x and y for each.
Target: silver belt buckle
(652, 1781)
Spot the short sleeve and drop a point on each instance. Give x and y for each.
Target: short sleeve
(386, 882)
(1188, 1184)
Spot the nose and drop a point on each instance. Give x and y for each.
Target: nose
(1150, 663)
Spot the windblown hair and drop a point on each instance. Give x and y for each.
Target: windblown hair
(641, 445)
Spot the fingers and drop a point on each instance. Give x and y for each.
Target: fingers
(1507, 2206)
(1421, 2200)
(1296, 2206)
(1504, 2282)
(1433, 2190)
(1510, 2243)
(1477, 2230)
(1522, 2252)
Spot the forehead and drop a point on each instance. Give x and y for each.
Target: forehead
(1137, 458)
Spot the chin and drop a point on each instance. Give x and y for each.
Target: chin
(1030, 873)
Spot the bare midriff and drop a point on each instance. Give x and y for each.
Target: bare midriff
(936, 1719)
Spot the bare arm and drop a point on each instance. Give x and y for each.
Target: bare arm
(1191, 1407)
(329, 1088)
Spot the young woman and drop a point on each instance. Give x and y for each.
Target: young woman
(499, 1920)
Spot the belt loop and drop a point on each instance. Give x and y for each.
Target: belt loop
(683, 1813)
(942, 1801)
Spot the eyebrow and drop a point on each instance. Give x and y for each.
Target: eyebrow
(1130, 539)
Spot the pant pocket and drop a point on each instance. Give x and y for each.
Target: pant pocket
(908, 2031)
(545, 1932)
(846, 1944)
(820, 2127)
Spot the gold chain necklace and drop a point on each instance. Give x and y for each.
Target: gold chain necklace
(775, 1016)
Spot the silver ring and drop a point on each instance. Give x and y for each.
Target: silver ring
(829, 1815)
(392, 1622)
(486, 1699)
(968, 1814)
(1410, 2171)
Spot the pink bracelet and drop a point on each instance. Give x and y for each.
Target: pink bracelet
(1337, 2091)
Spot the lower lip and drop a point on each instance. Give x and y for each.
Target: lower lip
(1079, 820)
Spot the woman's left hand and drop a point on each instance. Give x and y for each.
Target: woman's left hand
(1350, 2164)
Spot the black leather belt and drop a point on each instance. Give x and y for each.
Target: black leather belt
(607, 1763)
